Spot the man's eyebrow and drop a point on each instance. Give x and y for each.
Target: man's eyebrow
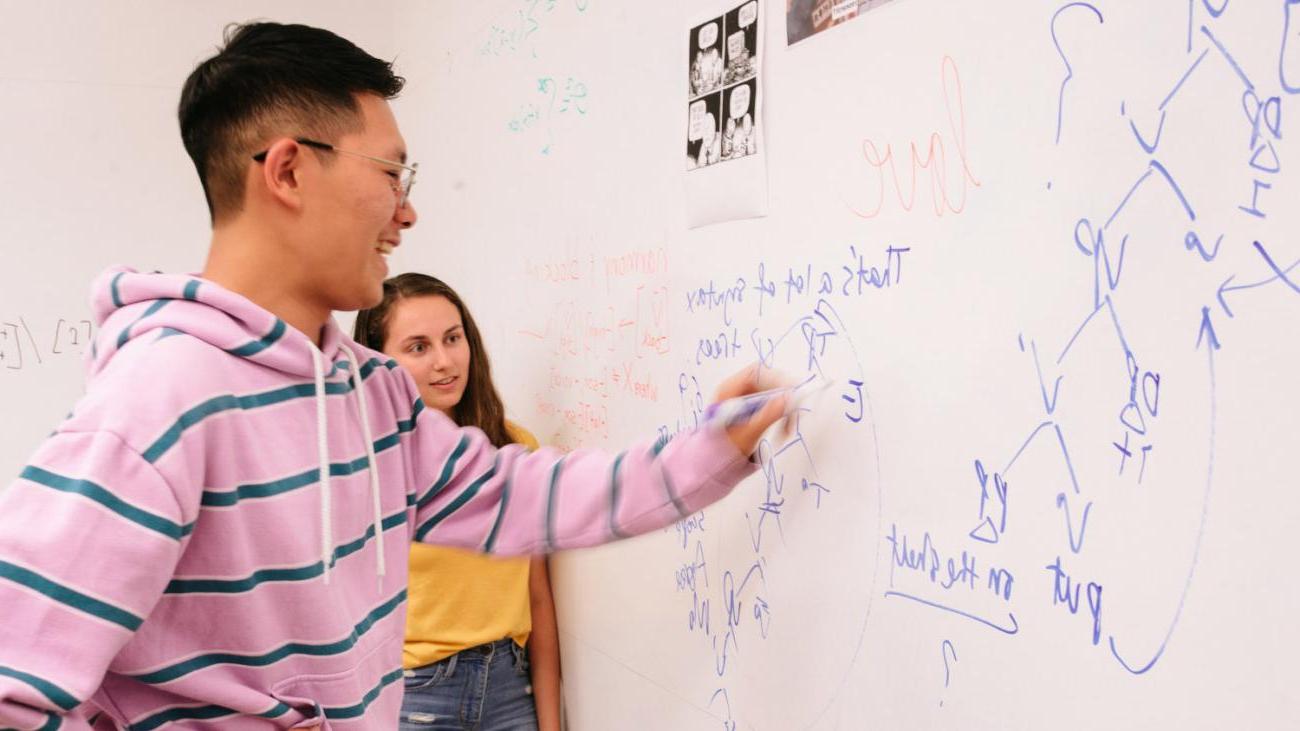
(399, 155)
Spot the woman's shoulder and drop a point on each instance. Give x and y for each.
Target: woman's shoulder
(521, 435)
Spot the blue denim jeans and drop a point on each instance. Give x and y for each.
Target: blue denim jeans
(484, 688)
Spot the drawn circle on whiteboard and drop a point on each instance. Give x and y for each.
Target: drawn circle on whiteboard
(809, 540)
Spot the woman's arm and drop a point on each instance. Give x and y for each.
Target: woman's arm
(544, 647)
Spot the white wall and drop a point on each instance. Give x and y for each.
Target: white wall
(94, 173)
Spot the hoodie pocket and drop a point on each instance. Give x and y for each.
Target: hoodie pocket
(365, 690)
(309, 711)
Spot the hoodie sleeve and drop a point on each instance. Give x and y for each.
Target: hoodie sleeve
(511, 501)
(89, 536)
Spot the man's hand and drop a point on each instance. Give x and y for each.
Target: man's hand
(746, 435)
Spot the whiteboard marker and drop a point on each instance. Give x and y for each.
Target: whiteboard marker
(735, 411)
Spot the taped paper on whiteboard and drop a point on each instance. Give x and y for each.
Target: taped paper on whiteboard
(725, 175)
(805, 18)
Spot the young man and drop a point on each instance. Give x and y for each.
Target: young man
(217, 534)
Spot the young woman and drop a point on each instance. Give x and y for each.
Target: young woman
(469, 617)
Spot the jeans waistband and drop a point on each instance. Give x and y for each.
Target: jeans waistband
(492, 649)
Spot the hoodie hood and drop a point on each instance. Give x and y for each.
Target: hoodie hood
(129, 305)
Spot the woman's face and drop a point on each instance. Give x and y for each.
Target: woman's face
(426, 336)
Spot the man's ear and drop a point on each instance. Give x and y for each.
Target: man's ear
(281, 172)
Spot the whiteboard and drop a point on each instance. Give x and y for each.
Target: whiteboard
(971, 178)
(1064, 489)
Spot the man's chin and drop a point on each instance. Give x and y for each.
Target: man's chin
(365, 300)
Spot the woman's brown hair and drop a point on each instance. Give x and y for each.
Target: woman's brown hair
(480, 405)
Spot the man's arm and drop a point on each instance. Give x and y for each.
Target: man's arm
(512, 502)
(89, 536)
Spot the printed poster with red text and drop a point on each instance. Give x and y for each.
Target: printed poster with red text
(805, 18)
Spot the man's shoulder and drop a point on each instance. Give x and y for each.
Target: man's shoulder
(157, 381)
(169, 360)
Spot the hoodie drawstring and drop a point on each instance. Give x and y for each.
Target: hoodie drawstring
(322, 445)
(372, 464)
(323, 455)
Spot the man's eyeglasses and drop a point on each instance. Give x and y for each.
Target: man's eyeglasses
(401, 183)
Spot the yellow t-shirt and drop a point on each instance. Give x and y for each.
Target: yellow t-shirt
(460, 599)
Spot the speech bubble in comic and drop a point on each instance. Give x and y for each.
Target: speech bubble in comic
(708, 35)
(748, 14)
(736, 44)
(709, 127)
(739, 101)
(696, 131)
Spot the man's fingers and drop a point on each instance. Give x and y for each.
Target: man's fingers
(770, 413)
(740, 383)
(752, 378)
(747, 435)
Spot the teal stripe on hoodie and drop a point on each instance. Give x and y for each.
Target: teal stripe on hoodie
(359, 709)
(229, 402)
(58, 696)
(682, 512)
(125, 335)
(198, 713)
(247, 583)
(228, 498)
(94, 492)
(415, 414)
(114, 292)
(491, 541)
(448, 469)
(456, 504)
(266, 341)
(549, 526)
(68, 596)
(292, 649)
(615, 489)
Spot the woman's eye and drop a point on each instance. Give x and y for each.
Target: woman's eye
(417, 348)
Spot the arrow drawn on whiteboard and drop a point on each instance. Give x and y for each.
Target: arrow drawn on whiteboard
(1207, 327)
(1213, 345)
(1278, 274)
(1276, 269)
(1069, 70)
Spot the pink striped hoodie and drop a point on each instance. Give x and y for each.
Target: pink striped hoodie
(217, 533)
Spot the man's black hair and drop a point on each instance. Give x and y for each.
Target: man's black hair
(272, 80)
